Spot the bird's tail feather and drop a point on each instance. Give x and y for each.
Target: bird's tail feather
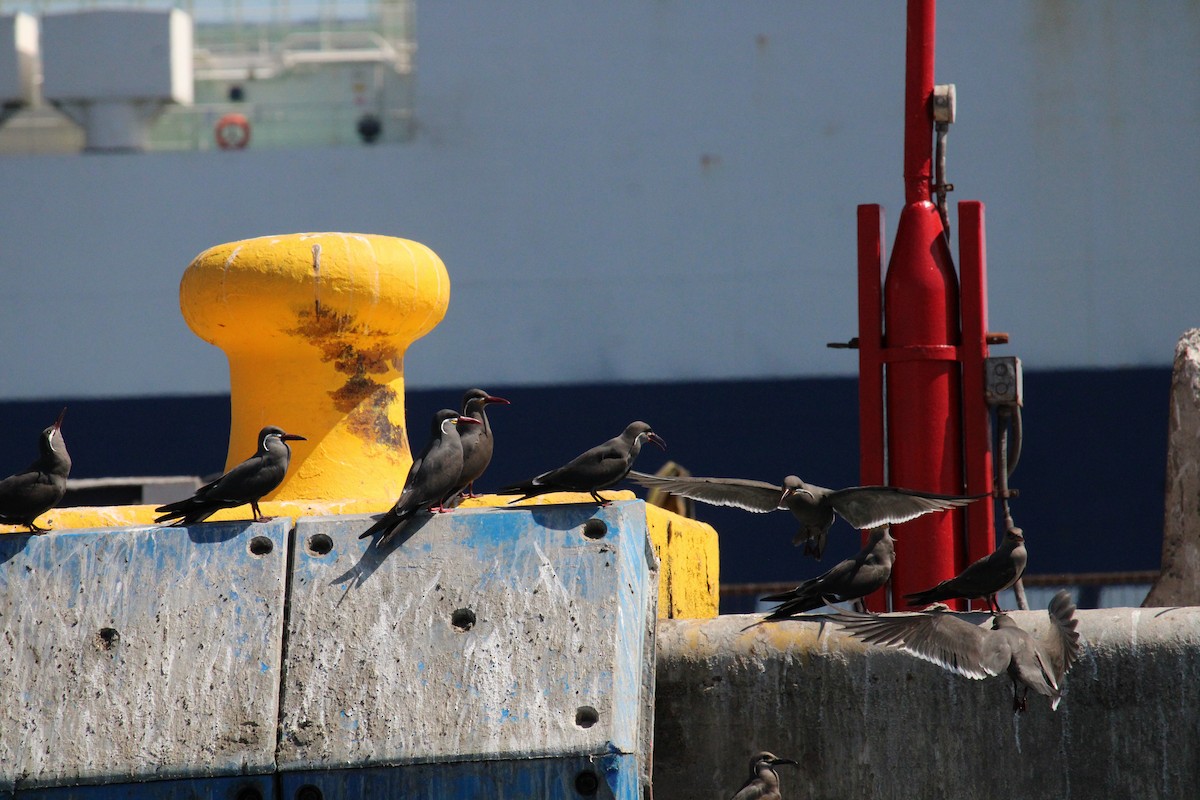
(924, 598)
(388, 523)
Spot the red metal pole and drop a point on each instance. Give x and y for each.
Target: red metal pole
(924, 421)
(977, 416)
(870, 358)
(918, 100)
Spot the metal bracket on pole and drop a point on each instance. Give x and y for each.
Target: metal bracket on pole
(944, 108)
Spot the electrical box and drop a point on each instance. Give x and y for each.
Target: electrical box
(1002, 381)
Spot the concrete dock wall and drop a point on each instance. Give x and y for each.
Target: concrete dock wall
(511, 653)
(491, 653)
(869, 722)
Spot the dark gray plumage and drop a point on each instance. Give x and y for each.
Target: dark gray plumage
(763, 783)
(432, 476)
(477, 440)
(248, 482)
(985, 578)
(851, 579)
(598, 468)
(954, 644)
(35, 490)
(864, 507)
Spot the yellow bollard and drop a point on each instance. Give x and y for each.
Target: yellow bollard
(315, 326)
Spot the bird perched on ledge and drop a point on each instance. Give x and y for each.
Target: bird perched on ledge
(851, 579)
(864, 507)
(477, 440)
(433, 477)
(248, 482)
(985, 578)
(954, 644)
(763, 783)
(26, 495)
(599, 468)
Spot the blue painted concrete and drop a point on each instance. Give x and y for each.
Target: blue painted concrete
(501, 651)
(614, 777)
(140, 653)
(491, 632)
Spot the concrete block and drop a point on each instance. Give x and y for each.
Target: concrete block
(687, 549)
(483, 634)
(610, 777)
(140, 653)
(865, 721)
(1179, 581)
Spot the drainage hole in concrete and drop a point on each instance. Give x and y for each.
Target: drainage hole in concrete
(319, 544)
(463, 619)
(595, 529)
(249, 793)
(586, 716)
(261, 545)
(309, 792)
(587, 783)
(107, 638)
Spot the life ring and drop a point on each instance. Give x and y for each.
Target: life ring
(232, 132)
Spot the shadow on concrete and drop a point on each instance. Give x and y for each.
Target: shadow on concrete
(377, 551)
(11, 544)
(216, 532)
(564, 517)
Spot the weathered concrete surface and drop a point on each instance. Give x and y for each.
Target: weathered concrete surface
(687, 549)
(688, 552)
(1179, 581)
(139, 654)
(870, 722)
(485, 633)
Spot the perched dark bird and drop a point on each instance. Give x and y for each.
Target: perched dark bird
(864, 507)
(433, 476)
(598, 468)
(476, 439)
(985, 578)
(258, 475)
(38, 488)
(763, 783)
(851, 579)
(955, 644)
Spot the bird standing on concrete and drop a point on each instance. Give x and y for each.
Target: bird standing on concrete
(476, 439)
(763, 783)
(248, 482)
(851, 579)
(38, 488)
(985, 578)
(432, 478)
(864, 507)
(954, 644)
(599, 468)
